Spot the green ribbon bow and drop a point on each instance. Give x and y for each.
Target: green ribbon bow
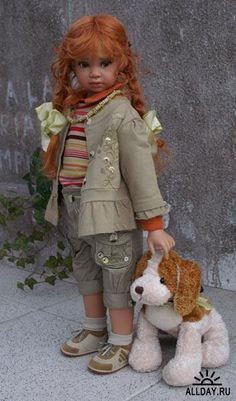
(52, 122)
(154, 128)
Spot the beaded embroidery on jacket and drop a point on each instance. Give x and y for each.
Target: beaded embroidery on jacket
(69, 113)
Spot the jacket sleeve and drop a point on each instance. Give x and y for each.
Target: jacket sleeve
(137, 168)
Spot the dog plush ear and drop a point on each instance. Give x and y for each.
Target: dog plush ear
(141, 265)
(189, 286)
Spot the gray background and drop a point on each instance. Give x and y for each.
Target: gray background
(189, 47)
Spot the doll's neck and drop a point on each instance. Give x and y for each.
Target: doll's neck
(101, 95)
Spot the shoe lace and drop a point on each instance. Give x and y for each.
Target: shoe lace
(105, 348)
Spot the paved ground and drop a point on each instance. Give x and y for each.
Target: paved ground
(34, 323)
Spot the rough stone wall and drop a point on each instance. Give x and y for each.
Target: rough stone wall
(189, 47)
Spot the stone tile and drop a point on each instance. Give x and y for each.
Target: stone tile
(10, 309)
(71, 310)
(33, 369)
(41, 296)
(225, 302)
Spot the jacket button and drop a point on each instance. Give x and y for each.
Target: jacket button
(92, 153)
(84, 181)
(100, 255)
(105, 260)
(126, 258)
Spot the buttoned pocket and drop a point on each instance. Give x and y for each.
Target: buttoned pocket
(114, 250)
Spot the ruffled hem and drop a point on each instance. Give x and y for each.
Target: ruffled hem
(99, 217)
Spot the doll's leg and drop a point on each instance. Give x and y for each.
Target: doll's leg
(180, 370)
(145, 354)
(215, 347)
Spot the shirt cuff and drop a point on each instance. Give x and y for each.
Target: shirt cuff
(155, 223)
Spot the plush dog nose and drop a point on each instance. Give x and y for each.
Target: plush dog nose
(139, 290)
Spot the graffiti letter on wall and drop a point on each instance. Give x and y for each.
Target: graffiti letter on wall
(5, 158)
(47, 89)
(28, 125)
(32, 99)
(11, 94)
(4, 122)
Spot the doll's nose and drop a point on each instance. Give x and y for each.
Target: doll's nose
(139, 290)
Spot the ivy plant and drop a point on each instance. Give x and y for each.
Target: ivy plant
(23, 248)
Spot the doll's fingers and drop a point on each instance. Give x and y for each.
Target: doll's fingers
(151, 248)
(166, 250)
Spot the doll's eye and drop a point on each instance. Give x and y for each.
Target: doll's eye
(82, 64)
(162, 280)
(105, 63)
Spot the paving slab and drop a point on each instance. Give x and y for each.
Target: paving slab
(10, 309)
(41, 296)
(32, 367)
(33, 324)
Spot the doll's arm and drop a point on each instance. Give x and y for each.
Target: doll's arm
(137, 168)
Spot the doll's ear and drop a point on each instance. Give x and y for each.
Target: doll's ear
(141, 265)
(189, 286)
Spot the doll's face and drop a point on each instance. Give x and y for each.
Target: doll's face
(96, 73)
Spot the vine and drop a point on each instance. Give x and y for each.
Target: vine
(24, 248)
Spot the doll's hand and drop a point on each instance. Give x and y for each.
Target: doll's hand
(160, 239)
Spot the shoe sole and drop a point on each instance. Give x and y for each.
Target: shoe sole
(101, 372)
(76, 355)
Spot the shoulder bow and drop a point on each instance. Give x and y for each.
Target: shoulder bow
(154, 128)
(52, 122)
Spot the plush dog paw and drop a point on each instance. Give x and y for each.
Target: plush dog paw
(181, 372)
(145, 357)
(214, 356)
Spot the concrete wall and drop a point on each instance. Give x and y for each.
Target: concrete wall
(189, 46)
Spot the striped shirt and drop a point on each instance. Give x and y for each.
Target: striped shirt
(75, 156)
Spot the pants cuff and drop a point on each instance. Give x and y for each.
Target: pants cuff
(90, 287)
(117, 301)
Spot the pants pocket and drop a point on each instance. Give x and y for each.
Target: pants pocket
(114, 250)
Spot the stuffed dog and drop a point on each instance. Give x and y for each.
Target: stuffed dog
(169, 290)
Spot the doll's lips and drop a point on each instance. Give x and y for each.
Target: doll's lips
(95, 83)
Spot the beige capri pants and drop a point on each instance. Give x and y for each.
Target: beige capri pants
(102, 262)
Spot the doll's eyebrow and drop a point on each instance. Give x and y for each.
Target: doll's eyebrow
(101, 59)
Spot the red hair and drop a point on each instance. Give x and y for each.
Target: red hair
(86, 35)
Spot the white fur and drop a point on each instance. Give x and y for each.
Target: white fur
(191, 354)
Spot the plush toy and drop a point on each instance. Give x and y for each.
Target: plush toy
(169, 290)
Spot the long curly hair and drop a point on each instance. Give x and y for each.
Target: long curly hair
(85, 36)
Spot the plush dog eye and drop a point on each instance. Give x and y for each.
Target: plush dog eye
(162, 280)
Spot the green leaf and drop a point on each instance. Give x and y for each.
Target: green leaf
(50, 280)
(20, 262)
(3, 253)
(61, 245)
(2, 220)
(67, 262)
(52, 262)
(39, 216)
(20, 285)
(4, 200)
(30, 282)
(62, 275)
(11, 259)
(37, 235)
(6, 245)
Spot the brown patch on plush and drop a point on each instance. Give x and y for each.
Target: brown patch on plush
(141, 265)
(189, 286)
(187, 290)
(197, 314)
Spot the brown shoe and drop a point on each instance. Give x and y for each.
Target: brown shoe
(110, 358)
(85, 342)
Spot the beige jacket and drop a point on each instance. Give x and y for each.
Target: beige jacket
(120, 184)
